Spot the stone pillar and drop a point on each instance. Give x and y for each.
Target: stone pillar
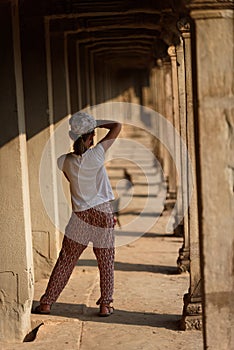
(45, 104)
(183, 259)
(71, 74)
(67, 48)
(175, 109)
(161, 110)
(164, 107)
(60, 94)
(79, 87)
(192, 313)
(87, 76)
(38, 132)
(176, 86)
(16, 270)
(93, 80)
(214, 34)
(167, 161)
(82, 76)
(156, 145)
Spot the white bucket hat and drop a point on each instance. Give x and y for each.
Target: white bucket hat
(81, 123)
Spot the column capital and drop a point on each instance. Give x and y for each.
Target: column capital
(171, 51)
(184, 25)
(208, 4)
(211, 8)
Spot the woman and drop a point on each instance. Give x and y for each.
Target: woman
(92, 218)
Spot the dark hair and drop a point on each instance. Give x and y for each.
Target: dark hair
(78, 146)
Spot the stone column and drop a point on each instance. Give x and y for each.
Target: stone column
(167, 159)
(183, 259)
(87, 76)
(156, 147)
(71, 74)
(82, 76)
(93, 80)
(37, 120)
(177, 112)
(164, 107)
(192, 313)
(16, 269)
(175, 108)
(214, 34)
(60, 93)
(79, 87)
(161, 110)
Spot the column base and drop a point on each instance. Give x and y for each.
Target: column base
(192, 314)
(183, 261)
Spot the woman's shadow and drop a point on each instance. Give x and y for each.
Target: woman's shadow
(137, 318)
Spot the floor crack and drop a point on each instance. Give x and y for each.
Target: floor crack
(81, 335)
(87, 304)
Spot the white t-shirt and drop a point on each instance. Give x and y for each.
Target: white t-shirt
(89, 182)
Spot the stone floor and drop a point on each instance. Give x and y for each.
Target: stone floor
(148, 297)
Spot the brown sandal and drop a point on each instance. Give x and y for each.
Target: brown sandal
(43, 309)
(106, 310)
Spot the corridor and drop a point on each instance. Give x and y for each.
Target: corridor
(164, 69)
(148, 298)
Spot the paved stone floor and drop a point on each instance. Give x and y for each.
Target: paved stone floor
(148, 297)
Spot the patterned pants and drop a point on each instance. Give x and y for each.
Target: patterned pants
(95, 225)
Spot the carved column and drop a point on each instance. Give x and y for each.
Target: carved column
(214, 35)
(183, 261)
(159, 148)
(192, 312)
(168, 161)
(161, 110)
(155, 107)
(175, 108)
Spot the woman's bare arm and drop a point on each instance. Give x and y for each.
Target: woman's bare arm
(114, 130)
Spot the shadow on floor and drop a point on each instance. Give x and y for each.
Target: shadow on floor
(147, 195)
(163, 235)
(122, 266)
(137, 234)
(157, 235)
(84, 313)
(137, 183)
(141, 213)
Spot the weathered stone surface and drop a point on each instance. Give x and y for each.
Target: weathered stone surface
(16, 269)
(215, 63)
(183, 261)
